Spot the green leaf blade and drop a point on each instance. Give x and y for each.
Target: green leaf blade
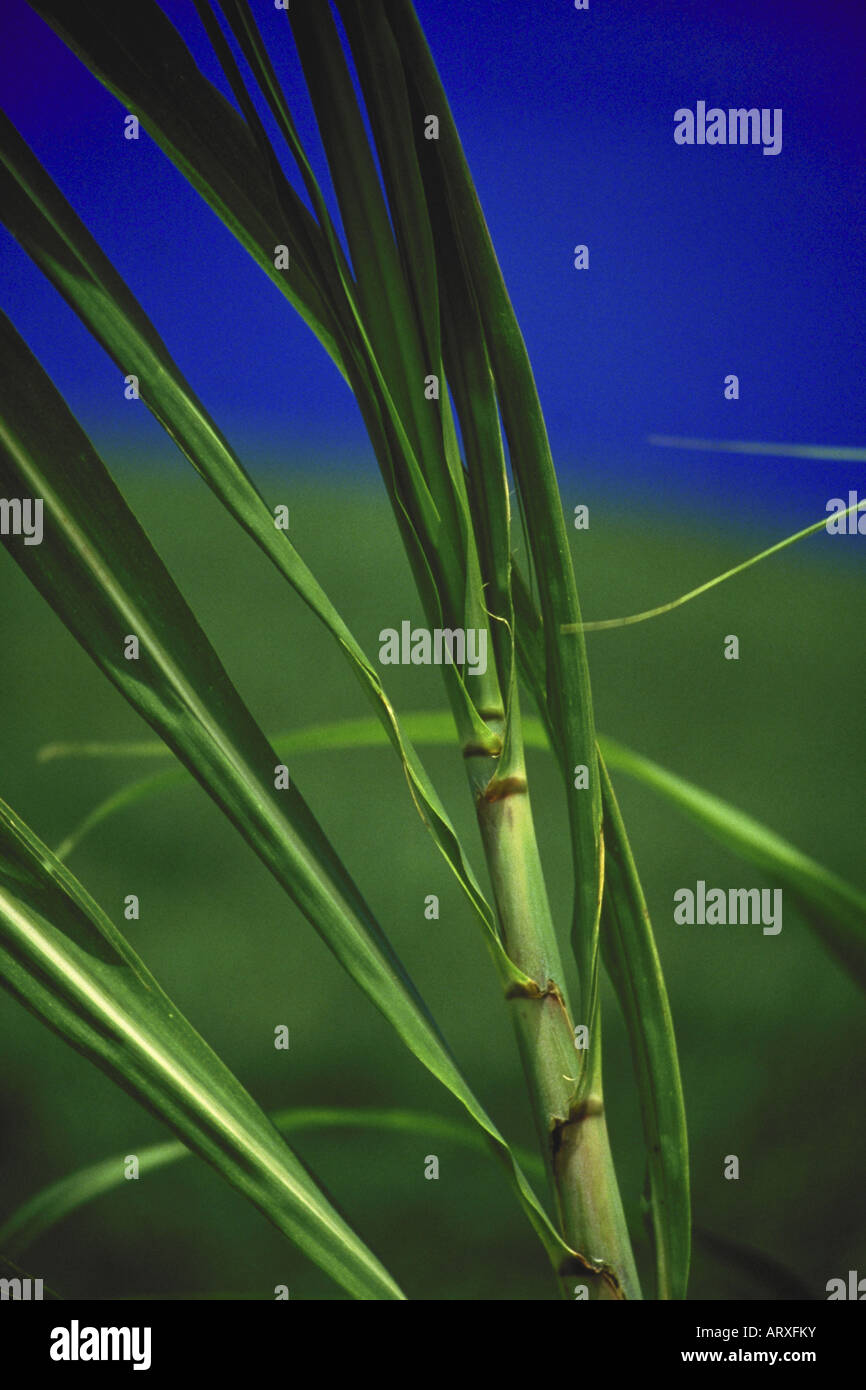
(98, 570)
(66, 963)
(61, 245)
(632, 959)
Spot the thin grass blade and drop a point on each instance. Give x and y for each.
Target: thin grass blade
(396, 340)
(41, 1212)
(633, 964)
(605, 623)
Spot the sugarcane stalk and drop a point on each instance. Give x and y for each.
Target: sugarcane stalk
(572, 1130)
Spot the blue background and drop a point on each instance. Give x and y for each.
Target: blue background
(703, 261)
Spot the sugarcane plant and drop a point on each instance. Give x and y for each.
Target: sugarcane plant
(406, 296)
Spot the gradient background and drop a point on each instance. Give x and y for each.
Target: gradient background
(704, 261)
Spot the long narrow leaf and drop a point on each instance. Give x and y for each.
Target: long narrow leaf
(62, 958)
(104, 580)
(632, 959)
(41, 219)
(396, 341)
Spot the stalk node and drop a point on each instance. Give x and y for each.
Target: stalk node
(531, 989)
(498, 789)
(589, 1108)
(578, 1264)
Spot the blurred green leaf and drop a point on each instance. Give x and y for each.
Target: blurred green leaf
(63, 960)
(834, 909)
(52, 1204)
(834, 453)
(10, 1270)
(745, 1260)
(42, 1211)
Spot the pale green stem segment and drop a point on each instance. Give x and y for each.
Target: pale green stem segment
(569, 1118)
(572, 1117)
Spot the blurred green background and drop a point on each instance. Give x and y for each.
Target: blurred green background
(771, 1032)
